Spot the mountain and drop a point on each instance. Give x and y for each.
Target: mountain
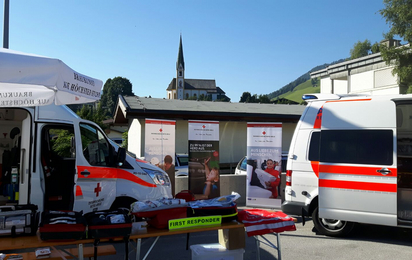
(302, 85)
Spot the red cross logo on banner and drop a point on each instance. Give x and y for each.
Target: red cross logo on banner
(263, 132)
(97, 189)
(160, 130)
(203, 126)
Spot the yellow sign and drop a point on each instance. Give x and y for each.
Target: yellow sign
(194, 222)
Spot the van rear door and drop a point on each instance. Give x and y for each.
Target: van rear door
(358, 167)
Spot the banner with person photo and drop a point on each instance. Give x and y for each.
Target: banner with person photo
(204, 176)
(160, 146)
(264, 158)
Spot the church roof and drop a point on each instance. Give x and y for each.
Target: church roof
(198, 84)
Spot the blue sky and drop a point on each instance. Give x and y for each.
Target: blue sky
(256, 46)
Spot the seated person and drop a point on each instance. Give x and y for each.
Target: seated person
(272, 185)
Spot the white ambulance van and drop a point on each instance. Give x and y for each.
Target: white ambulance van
(350, 160)
(52, 158)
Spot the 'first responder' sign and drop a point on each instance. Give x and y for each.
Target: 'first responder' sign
(194, 222)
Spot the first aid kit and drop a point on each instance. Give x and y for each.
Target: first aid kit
(19, 219)
(108, 224)
(158, 212)
(62, 225)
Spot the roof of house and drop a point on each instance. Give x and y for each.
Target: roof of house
(142, 107)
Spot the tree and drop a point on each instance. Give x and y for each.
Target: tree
(375, 48)
(263, 99)
(125, 137)
(248, 98)
(112, 89)
(398, 15)
(245, 97)
(97, 115)
(314, 82)
(360, 49)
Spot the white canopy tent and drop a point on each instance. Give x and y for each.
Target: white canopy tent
(31, 80)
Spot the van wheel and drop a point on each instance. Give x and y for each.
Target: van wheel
(122, 203)
(331, 227)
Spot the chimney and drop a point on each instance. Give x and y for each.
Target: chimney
(391, 42)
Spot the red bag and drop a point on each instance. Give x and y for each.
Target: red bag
(186, 195)
(260, 222)
(160, 218)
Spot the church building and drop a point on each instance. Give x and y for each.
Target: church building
(182, 88)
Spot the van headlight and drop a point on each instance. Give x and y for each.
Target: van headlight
(158, 177)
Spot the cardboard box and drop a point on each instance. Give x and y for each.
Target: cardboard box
(215, 251)
(233, 238)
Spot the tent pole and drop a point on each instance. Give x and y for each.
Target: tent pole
(6, 24)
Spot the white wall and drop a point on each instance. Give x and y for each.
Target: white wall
(384, 78)
(232, 144)
(326, 85)
(340, 86)
(134, 138)
(287, 132)
(373, 82)
(362, 82)
(232, 135)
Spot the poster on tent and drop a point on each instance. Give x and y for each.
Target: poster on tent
(160, 145)
(264, 153)
(204, 176)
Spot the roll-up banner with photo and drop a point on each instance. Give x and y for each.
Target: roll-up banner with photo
(204, 176)
(264, 158)
(160, 146)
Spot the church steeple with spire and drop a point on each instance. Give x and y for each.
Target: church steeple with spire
(180, 70)
(183, 88)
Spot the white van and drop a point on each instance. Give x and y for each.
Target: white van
(52, 158)
(350, 160)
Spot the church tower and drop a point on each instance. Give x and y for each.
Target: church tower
(180, 70)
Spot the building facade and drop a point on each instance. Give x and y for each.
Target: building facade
(365, 75)
(233, 118)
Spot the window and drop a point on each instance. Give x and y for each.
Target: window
(95, 146)
(314, 147)
(187, 95)
(58, 140)
(357, 146)
(183, 160)
(243, 164)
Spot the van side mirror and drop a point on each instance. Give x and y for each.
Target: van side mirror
(121, 156)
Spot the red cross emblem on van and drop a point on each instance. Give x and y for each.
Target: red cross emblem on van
(97, 189)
